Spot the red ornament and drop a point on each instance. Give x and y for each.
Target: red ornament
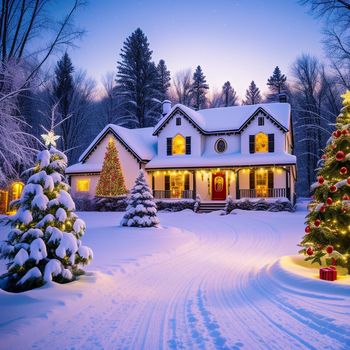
(340, 155)
(307, 229)
(329, 201)
(309, 251)
(324, 156)
(345, 132)
(317, 222)
(323, 209)
(333, 188)
(329, 249)
(320, 180)
(343, 170)
(345, 197)
(334, 146)
(348, 180)
(337, 133)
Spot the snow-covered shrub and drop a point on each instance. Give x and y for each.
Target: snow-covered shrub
(44, 242)
(229, 206)
(197, 203)
(175, 205)
(142, 209)
(263, 204)
(111, 203)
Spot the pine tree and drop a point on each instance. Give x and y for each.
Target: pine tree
(44, 242)
(229, 96)
(199, 89)
(327, 234)
(63, 89)
(142, 209)
(111, 182)
(277, 81)
(163, 79)
(252, 95)
(137, 82)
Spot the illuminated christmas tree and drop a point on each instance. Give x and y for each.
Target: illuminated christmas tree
(44, 242)
(111, 182)
(327, 234)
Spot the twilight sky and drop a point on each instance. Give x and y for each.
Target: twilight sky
(234, 40)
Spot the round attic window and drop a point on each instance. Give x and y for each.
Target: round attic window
(220, 146)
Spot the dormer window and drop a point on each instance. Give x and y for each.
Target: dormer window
(261, 121)
(178, 121)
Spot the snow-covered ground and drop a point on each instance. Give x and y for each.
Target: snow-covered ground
(202, 281)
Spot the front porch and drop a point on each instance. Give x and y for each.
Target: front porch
(216, 184)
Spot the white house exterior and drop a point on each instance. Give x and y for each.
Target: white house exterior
(242, 151)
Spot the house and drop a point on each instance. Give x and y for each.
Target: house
(242, 151)
(8, 194)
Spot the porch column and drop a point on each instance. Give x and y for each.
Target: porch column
(288, 182)
(238, 195)
(194, 194)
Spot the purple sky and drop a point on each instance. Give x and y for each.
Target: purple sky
(232, 40)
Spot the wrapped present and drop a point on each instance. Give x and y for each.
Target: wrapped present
(328, 273)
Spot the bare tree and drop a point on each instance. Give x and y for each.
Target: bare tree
(21, 24)
(182, 87)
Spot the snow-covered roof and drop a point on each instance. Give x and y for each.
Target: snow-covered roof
(234, 118)
(84, 168)
(228, 160)
(140, 141)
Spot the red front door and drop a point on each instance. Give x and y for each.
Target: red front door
(218, 186)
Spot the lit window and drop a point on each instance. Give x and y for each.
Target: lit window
(220, 146)
(261, 183)
(83, 185)
(179, 144)
(17, 188)
(261, 142)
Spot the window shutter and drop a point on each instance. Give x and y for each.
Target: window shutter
(169, 144)
(187, 182)
(270, 179)
(252, 180)
(167, 182)
(188, 144)
(251, 143)
(271, 142)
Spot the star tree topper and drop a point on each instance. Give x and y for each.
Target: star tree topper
(50, 138)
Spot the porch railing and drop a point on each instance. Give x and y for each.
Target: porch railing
(162, 194)
(270, 193)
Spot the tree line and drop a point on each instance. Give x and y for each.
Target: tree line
(134, 92)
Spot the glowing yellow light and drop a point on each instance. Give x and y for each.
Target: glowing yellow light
(83, 185)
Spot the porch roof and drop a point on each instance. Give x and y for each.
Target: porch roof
(229, 160)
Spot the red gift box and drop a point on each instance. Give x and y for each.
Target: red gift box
(328, 273)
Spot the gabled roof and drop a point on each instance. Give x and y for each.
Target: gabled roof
(140, 142)
(229, 119)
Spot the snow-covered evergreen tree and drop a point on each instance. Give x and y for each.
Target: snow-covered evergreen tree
(163, 79)
(199, 89)
(142, 209)
(277, 81)
(252, 95)
(137, 82)
(44, 242)
(228, 95)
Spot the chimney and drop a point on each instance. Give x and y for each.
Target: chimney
(166, 107)
(282, 97)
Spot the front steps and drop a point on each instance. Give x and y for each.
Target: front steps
(208, 207)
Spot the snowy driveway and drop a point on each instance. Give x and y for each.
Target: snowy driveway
(212, 283)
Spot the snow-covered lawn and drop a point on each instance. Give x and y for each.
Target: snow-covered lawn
(202, 281)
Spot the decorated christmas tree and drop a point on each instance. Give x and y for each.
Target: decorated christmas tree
(111, 182)
(44, 242)
(142, 209)
(327, 234)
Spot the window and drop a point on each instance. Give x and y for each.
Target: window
(261, 121)
(220, 146)
(179, 145)
(17, 188)
(261, 183)
(83, 185)
(261, 142)
(177, 185)
(178, 121)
